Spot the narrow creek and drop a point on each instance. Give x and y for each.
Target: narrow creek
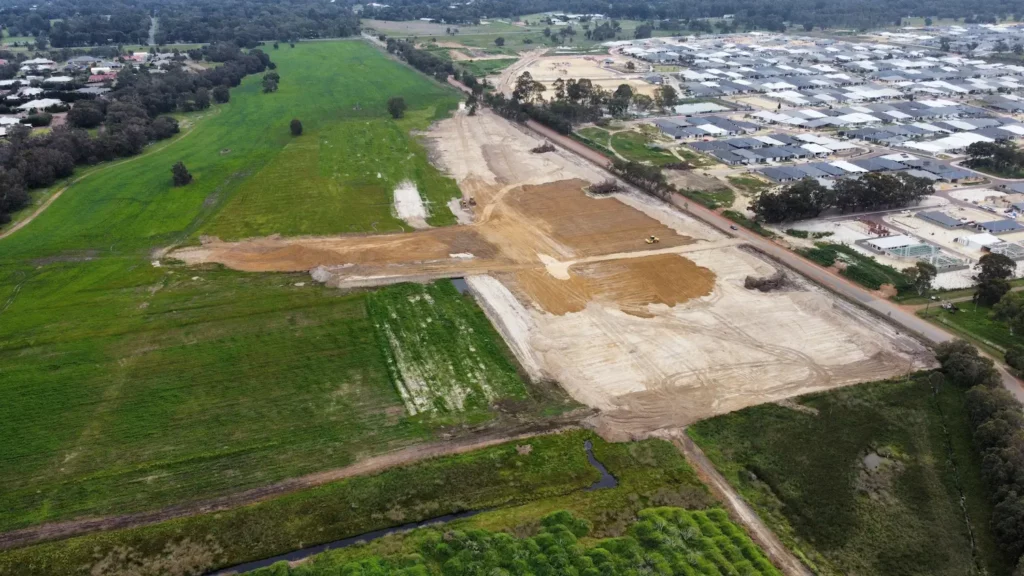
(606, 481)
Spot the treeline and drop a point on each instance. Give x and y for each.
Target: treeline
(807, 198)
(426, 62)
(79, 23)
(247, 22)
(760, 14)
(1000, 158)
(129, 118)
(998, 428)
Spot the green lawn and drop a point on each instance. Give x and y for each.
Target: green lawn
(808, 474)
(519, 486)
(125, 386)
(697, 159)
(481, 68)
(750, 184)
(634, 146)
(975, 323)
(720, 197)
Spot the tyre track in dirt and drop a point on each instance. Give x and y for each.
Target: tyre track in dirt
(368, 466)
(737, 507)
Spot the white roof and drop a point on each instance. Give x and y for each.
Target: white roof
(58, 79)
(816, 148)
(844, 165)
(711, 128)
(889, 242)
(5, 120)
(1014, 129)
(769, 140)
(984, 239)
(40, 104)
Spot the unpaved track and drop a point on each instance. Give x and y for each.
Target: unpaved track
(372, 465)
(738, 508)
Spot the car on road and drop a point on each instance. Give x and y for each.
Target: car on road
(733, 227)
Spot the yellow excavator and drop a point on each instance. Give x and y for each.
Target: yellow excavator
(652, 240)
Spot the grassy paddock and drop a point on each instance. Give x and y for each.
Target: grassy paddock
(807, 473)
(125, 386)
(635, 147)
(545, 474)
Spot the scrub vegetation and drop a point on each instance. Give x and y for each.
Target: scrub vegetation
(663, 540)
(518, 483)
(864, 480)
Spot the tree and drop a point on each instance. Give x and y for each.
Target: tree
(643, 102)
(921, 276)
(547, 32)
(221, 94)
(202, 99)
(665, 96)
(944, 44)
(1010, 309)
(1014, 357)
(630, 66)
(180, 174)
(994, 270)
(270, 80)
(296, 127)
(396, 107)
(803, 199)
(928, 21)
(643, 31)
(86, 114)
(499, 41)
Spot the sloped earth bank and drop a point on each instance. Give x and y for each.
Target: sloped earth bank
(655, 335)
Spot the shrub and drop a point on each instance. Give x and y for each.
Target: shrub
(296, 127)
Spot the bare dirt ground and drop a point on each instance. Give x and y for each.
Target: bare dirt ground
(656, 336)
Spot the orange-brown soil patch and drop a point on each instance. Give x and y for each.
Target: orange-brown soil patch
(589, 226)
(631, 284)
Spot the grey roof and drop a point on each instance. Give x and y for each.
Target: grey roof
(1000, 226)
(940, 218)
(828, 168)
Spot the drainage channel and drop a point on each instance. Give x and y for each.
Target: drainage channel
(606, 481)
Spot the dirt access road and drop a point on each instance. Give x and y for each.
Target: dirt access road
(738, 508)
(653, 335)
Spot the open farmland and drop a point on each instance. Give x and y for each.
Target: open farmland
(128, 382)
(655, 335)
(865, 480)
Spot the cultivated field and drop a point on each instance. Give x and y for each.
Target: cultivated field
(130, 382)
(655, 335)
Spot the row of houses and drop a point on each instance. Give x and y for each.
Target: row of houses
(703, 127)
(824, 171)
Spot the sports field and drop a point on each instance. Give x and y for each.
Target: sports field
(130, 383)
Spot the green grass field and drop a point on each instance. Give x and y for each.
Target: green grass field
(697, 159)
(125, 386)
(861, 480)
(975, 323)
(634, 147)
(518, 486)
(481, 68)
(749, 184)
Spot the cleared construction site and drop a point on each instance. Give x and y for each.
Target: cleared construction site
(632, 306)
